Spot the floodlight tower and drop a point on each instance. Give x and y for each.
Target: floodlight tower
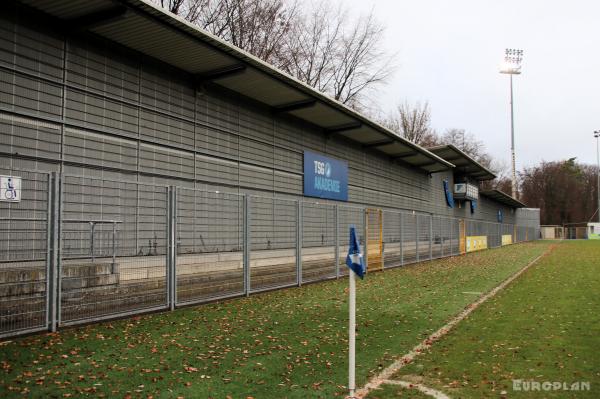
(512, 66)
(597, 135)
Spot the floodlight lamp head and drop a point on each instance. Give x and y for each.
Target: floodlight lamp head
(596, 133)
(512, 61)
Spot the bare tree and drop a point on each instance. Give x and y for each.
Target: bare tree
(257, 26)
(468, 143)
(360, 63)
(311, 46)
(413, 123)
(188, 9)
(318, 44)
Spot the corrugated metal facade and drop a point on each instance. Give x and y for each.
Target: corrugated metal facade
(96, 109)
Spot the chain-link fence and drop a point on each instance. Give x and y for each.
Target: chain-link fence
(77, 249)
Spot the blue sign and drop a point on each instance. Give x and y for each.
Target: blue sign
(354, 259)
(473, 206)
(325, 177)
(449, 196)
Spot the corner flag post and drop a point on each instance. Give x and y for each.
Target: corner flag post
(352, 337)
(355, 262)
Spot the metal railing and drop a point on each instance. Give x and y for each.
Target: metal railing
(79, 254)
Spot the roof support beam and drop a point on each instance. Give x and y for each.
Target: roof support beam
(296, 105)
(94, 19)
(342, 128)
(420, 165)
(452, 159)
(402, 156)
(378, 143)
(221, 73)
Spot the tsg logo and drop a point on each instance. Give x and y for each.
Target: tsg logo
(325, 177)
(323, 168)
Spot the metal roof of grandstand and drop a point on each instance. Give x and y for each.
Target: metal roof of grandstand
(150, 30)
(503, 198)
(463, 162)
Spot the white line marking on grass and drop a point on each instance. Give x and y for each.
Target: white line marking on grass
(388, 372)
(419, 387)
(472, 292)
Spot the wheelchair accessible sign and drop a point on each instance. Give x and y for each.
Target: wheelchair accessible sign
(10, 188)
(325, 177)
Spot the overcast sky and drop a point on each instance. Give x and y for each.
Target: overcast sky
(449, 53)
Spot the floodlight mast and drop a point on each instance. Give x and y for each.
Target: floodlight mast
(597, 136)
(512, 66)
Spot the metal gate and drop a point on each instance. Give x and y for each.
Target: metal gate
(374, 239)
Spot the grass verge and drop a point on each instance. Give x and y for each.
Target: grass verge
(543, 327)
(283, 344)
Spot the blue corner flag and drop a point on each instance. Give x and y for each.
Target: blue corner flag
(354, 260)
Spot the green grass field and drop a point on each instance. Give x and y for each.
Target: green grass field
(283, 344)
(543, 327)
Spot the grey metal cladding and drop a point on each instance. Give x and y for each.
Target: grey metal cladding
(256, 177)
(256, 152)
(96, 112)
(256, 124)
(165, 161)
(163, 129)
(37, 51)
(289, 160)
(101, 68)
(100, 150)
(217, 112)
(29, 137)
(288, 183)
(218, 171)
(164, 89)
(30, 95)
(217, 142)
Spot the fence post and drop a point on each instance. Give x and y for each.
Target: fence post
(299, 243)
(499, 234)
(366, 238)
(417, 238)
(337, 241)
(382, 227)
(442, 230)
(174, 245)
(401, 240)
(92, 229)
(430, 236)
(48, 246)
(246, 254)
(54, 275)
(451, 222)
(114, 247)
(171, 247)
